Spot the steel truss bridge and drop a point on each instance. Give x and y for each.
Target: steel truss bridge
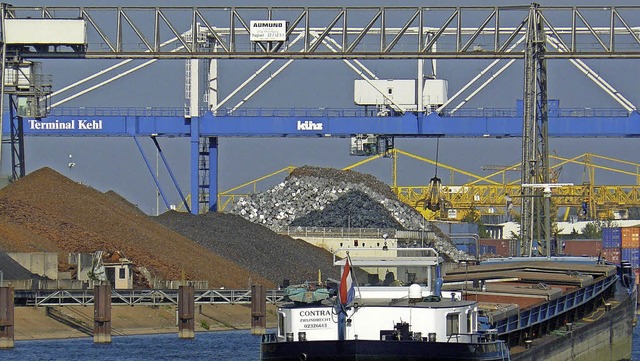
(146, 297)
(533, 34)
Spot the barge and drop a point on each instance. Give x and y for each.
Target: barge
(509, 309)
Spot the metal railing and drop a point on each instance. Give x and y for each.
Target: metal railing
(338, 232)
(148, 297)
(324, 112)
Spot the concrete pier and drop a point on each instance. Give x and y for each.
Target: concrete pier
(6, 318)
(102, 314)
(186, 312)
(258, 309)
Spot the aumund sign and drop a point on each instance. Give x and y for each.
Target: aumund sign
(79, 124)
(268, 30)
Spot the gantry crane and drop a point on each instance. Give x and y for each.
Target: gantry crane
(505, 33)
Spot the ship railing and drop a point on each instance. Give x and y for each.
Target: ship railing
(485, 336)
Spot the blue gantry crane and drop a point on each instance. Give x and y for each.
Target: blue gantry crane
(389, 109)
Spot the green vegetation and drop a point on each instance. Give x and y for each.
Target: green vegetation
(593, 230)
(473, 216)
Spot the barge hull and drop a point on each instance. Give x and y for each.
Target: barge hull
(608, 337)
(367, 350)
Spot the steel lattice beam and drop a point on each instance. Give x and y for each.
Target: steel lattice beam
(396, 32)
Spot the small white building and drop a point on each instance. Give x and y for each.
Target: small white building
(120, 274)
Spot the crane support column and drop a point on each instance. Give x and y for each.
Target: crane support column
(213, 174)
(195, 157)
(535, 152)
(3, 64)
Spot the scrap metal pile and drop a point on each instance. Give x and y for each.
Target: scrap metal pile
(325, 197)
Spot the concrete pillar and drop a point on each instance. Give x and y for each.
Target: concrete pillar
(102, 314)
(6, 318)
(186, 308)
(258, 309)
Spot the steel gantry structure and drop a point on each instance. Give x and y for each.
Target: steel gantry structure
(346, 33)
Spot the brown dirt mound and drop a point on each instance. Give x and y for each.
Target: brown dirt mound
(46, 211)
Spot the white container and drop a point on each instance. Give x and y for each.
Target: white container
(402, 92)
(435, 92)
(46, 31)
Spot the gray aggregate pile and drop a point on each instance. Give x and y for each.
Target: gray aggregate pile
(307, 196)
(254, 247)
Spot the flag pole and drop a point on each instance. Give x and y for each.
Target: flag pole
(355, 277)
(343, 299)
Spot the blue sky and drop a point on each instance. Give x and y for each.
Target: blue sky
(116, 164)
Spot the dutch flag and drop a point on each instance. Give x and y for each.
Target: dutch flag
(347, 291)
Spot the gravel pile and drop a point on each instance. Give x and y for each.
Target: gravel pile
(254, 247)
(12, 270)
(313, 196)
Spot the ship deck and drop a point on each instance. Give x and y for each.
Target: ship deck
(517, 294)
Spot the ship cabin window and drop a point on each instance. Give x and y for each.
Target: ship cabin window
(122, 273)
(355, 243)
(469, 321)
(281, 324)
(453, 323)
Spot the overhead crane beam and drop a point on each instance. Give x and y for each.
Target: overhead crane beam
(402, 36)
(426, 160)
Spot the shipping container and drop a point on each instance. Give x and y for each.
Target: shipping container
(612, 237)
(612, 255)
(582, 247)
(631, 255)
(631, 237)
(503, 247)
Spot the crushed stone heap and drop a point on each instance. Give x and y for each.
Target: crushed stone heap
(314, 196)
(254, 247)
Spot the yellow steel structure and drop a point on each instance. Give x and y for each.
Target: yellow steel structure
(489, 196)
(228, 196)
